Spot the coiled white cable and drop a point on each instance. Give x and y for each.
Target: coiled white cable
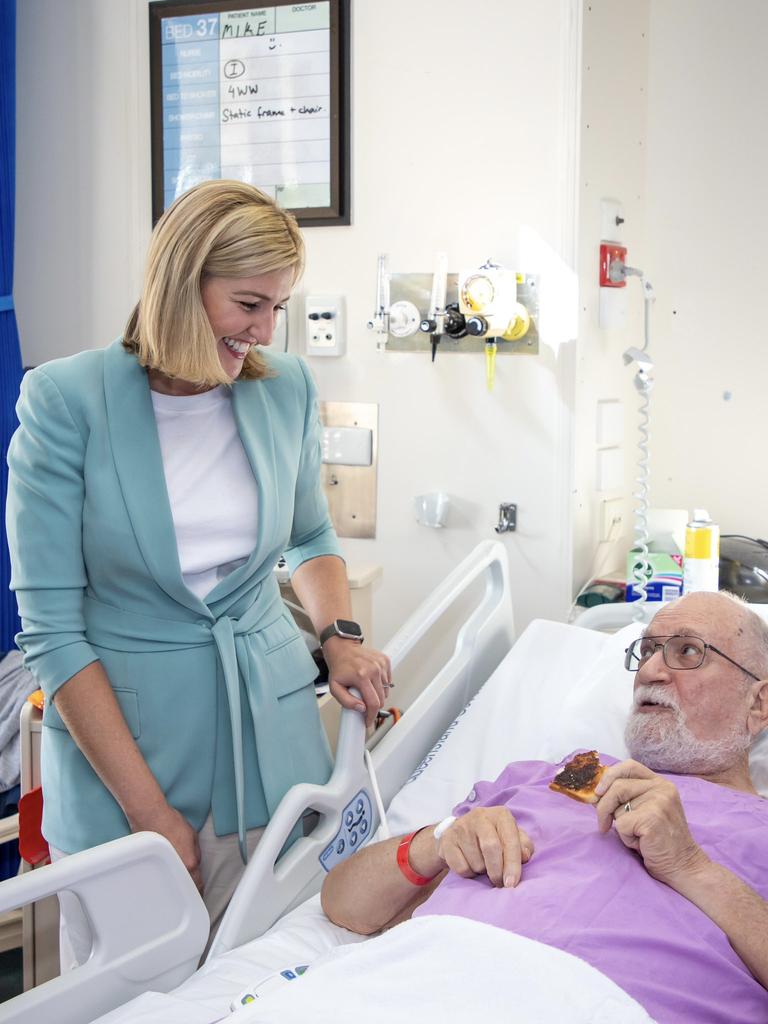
(641, 570)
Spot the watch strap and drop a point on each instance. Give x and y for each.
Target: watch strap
(334, 630)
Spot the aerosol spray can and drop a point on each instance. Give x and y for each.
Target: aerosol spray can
(701, 563)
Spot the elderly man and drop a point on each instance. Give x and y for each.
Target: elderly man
(664, 889)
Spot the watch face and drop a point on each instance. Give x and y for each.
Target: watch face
(347, 628)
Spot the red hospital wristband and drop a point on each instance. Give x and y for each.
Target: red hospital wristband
(405, 867)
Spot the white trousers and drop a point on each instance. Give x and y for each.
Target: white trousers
(220, 865)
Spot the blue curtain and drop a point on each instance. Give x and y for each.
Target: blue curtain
(10, 354)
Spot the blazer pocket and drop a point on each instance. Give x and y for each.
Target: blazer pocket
(129, 705)
(291, 666)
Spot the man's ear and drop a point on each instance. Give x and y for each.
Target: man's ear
(757, 719)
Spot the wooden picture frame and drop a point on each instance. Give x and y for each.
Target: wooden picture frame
(260, 94)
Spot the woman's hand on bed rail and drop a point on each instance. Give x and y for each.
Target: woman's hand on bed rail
(369, 671)
(486, 841)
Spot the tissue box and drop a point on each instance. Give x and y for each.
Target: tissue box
(665, 576)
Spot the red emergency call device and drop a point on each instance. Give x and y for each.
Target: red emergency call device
(610, 252)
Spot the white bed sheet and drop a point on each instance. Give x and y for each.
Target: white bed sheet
(301, 937)
(438, 969)
(559, 688)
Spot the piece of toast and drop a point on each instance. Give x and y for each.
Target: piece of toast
(579, 777)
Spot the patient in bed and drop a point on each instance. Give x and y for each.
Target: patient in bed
(662, 886)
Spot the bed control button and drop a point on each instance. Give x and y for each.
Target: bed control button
(356, 823)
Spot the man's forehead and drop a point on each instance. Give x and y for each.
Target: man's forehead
(691, 616)
(669, 629)
(704, 615)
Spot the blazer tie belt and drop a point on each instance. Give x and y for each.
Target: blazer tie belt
(120, 630)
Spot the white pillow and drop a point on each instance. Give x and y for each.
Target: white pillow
(560, 688)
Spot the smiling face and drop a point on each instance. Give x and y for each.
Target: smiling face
(694, 720)
(243, 311)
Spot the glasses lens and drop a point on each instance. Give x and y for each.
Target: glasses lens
(633, 655)
(684, 652)
(644, 648)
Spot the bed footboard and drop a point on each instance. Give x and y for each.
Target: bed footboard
(149, 924)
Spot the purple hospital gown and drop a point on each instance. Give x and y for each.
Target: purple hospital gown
(586, 893)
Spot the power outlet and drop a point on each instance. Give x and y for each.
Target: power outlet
(611, 519)
(324, 325)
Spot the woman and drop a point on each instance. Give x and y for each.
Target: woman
(154, 485)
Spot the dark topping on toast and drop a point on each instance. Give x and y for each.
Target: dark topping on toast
(580, 772)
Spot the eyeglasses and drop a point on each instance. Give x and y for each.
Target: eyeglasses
(679, 652)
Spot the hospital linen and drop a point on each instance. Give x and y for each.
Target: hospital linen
(585, 893)
(436, 971)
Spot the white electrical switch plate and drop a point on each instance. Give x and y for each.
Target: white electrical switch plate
(610, 469)
(324, 325)
(612, 308)
(610, 422)
(347, 446)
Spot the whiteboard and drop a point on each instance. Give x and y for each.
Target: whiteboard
(259, 94)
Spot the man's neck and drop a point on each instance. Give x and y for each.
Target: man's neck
(736, 777)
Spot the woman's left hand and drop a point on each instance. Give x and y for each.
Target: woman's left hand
(369, 671)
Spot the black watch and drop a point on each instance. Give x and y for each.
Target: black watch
(344, 628)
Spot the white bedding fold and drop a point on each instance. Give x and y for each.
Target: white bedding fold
(441, 968)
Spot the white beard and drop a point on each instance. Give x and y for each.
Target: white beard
(664, 743)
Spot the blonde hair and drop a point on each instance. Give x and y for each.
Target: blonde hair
(221, 229)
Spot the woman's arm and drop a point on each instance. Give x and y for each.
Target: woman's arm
(44, 511)
(321, 586)
(319, 577)
(90, 711)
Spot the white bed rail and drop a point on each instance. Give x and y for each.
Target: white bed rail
(612, 616)
(482, 642)
(149, 930)
(270, 887)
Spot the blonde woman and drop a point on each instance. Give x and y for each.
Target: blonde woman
(154, 485)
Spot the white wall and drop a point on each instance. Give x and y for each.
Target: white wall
(495, 89)
(673, 124)
(82, 179)
(613, 145)
(707, 222)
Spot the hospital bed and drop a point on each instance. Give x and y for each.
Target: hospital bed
(556, 689)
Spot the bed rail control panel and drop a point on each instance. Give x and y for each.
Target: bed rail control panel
(356, 827)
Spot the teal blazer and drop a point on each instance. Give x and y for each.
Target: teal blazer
(217, 693)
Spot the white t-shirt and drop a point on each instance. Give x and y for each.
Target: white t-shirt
(210, 482)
